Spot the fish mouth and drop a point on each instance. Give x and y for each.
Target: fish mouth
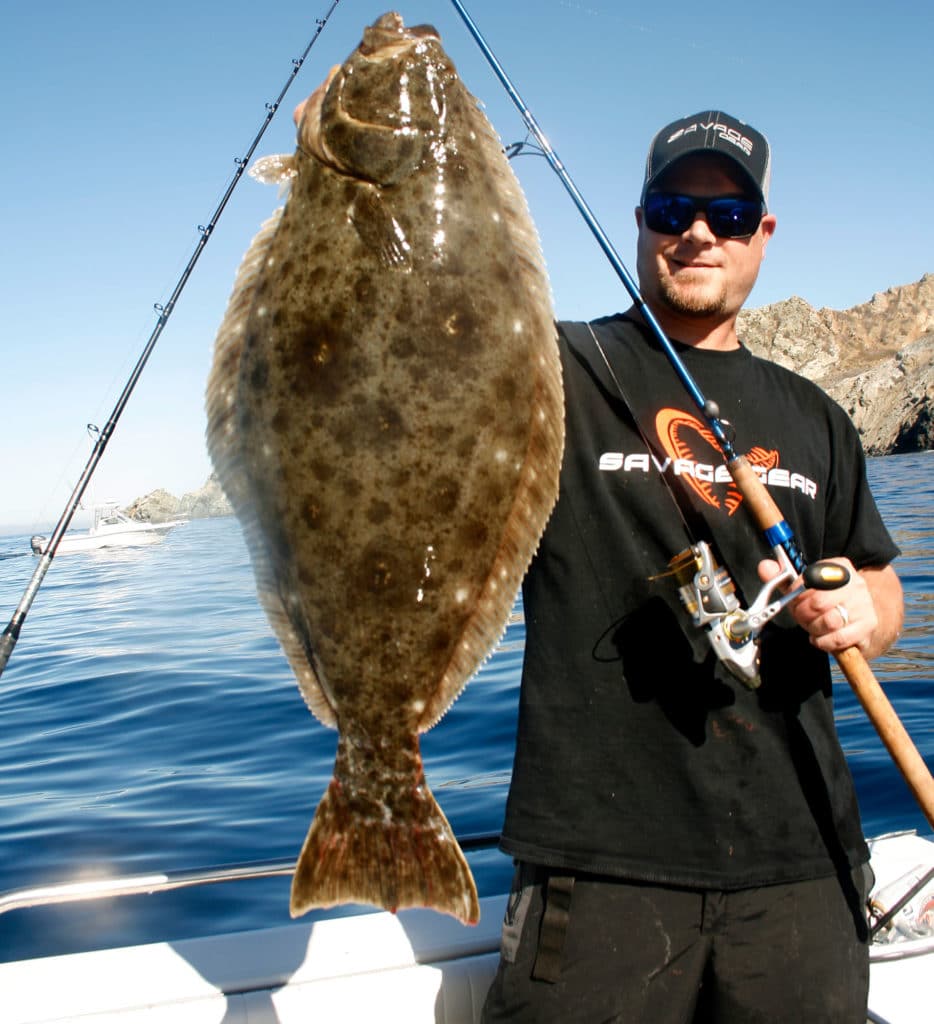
(312, 131)
(388, 36)
(308, 115)
(359, 121)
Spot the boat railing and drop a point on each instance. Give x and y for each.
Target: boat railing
(155, 882)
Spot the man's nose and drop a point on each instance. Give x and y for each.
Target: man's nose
(699, 230)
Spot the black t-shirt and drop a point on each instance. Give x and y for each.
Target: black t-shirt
(638, 754)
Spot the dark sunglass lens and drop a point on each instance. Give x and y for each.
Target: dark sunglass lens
(669, 214)
(734, 218)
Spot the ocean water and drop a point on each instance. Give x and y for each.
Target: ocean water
(148, 722)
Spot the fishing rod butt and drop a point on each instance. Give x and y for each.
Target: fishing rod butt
(889, 726)
(8, 641)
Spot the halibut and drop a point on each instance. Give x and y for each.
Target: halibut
(385, 414)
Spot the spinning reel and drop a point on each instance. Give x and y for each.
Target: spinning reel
(708, 593)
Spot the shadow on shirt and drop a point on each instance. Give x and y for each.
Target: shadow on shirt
(660, 664)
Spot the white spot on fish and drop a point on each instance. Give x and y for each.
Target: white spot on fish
(429, 558)
(405, 101)
(517, 326)
(400, 234)
(261, 311)
(461, 595)
(418, 706)
(501, 455)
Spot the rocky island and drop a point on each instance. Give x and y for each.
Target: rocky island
(876, 360)
(160, 506)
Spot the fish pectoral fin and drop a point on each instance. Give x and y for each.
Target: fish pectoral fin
(379, 231)
(277, 169)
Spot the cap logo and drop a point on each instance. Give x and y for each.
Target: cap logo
(724, 131)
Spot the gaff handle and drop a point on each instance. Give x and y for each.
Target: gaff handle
(859, 675)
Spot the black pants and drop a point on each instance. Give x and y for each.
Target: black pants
(626, 952)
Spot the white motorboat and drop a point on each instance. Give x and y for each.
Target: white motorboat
(111, 529)
(411, 967)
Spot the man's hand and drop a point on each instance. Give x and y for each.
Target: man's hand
(866, 613)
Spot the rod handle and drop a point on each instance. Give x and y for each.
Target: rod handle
(889, 727)
(757, 499)
(855, 668)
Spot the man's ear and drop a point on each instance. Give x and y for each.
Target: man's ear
(768, 229)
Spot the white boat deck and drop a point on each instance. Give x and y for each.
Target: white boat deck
(413, 967)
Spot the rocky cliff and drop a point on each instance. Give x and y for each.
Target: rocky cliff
(876, 360)
(160, 506)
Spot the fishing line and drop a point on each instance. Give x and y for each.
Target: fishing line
(164, 311)
(642, 434)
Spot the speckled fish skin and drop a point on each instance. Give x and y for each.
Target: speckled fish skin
(385, 413)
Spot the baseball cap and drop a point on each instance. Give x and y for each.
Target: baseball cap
(711, 131)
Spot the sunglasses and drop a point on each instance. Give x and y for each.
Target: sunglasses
(727, 216)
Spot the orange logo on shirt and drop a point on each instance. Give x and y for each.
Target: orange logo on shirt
(691, 444)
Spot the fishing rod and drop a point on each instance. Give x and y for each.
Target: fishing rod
(765, 512)
(15, 625)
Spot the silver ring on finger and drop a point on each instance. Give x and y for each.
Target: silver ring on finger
(844, 614)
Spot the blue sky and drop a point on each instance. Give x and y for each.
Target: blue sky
(121, 124)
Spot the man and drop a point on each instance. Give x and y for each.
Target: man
(688, 847)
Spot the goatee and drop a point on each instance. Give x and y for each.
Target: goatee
(691, 302)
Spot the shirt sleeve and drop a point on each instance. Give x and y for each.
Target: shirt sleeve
(855, 526)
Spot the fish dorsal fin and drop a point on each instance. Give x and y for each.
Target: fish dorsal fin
(223, 441)
(537, 486)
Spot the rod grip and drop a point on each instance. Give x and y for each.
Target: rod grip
(757, 499)
(854, 666)
(890, 729)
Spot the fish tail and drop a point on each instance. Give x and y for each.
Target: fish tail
(359, 850)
